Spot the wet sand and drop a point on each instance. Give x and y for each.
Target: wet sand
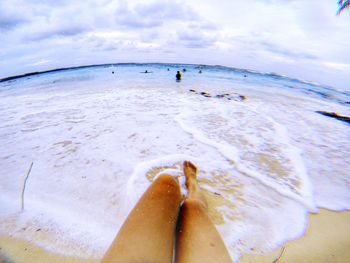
(327, 240)
(18, 251)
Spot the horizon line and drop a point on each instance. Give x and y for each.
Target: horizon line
(14, 77)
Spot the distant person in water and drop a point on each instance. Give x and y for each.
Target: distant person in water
(159, 222)
(178, 76)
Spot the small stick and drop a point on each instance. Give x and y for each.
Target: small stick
(279, 256)
(24, 185)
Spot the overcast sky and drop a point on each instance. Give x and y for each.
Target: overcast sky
(298, 38)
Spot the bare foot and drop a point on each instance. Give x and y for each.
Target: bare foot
(190, 170)
(194, 191)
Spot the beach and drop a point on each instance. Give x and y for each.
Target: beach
(326, 240)
(23, 251)
(266, 158)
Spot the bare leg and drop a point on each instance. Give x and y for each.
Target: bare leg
(194, 191)
(148, 234)
(197, 238)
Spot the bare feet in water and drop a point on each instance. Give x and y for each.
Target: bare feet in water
(194, 191)
(190, 171)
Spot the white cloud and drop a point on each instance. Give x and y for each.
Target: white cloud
(40, 62)
(338, 66)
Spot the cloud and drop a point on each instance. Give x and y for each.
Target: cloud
(338, 66)
(57, 31)
(25, 21)
(40, 62)
(167, 10)
(196, 39)
(11, 16)
(277, 49)
(154, 14)
(10, 22)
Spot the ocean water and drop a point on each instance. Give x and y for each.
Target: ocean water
(266, 159)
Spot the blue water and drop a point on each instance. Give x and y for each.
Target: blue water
(191, 78)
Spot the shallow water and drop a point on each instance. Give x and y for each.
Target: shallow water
(97, 139)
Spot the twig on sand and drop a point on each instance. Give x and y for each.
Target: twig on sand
(279, 256)
(24, 185)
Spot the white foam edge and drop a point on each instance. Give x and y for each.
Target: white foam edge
(295, 155)
(231, 153)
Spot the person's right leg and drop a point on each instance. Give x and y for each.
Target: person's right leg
(148, 233)
(197, 238)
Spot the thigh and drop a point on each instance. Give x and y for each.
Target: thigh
(148, 234)
(197, 239)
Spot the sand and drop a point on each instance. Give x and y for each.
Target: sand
(327, 240)
(19, 251)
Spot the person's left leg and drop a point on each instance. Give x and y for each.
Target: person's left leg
(197, 239)
(148, 233)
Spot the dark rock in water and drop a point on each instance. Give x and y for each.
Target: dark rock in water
(112, 72)
(234, 96)
(245, 76)
(228, 96)
(184, 70)
(205, 94)
(335, 115)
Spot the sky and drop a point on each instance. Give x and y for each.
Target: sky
(302, 39)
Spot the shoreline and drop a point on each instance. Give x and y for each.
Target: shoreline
(326, 240)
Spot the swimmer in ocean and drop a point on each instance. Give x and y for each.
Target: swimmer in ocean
(178, 76)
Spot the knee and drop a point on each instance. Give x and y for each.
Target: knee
(167, 179)
(168, 185)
